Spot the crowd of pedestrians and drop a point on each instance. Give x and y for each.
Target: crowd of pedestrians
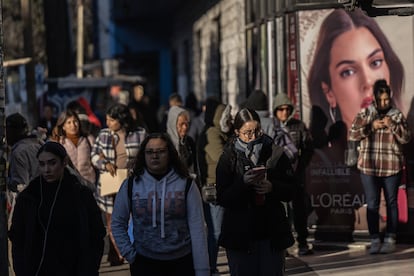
(198, 180)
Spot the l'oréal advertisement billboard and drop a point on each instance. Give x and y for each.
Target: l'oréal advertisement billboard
(338, 66)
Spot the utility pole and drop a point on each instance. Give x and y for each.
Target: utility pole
(79, 41)
(30, 69)
(4, 260)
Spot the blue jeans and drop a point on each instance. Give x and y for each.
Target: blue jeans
(372, 187)
(213, 216)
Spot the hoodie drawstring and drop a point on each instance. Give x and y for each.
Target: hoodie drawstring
(162, 212)
(154, 207)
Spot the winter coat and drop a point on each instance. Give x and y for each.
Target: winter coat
(80, 155)
(75, 233)
(185, 146)
(243, 220)
(298, 134)
(104, 146)
(380, 151)
(216, 139)
(24, 165)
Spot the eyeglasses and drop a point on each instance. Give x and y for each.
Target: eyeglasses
(249, 133)
(158, 152)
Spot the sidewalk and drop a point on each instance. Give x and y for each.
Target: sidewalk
(329, 258)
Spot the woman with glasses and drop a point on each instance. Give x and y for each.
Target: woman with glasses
(115, 148)
(253, 177)
(167, 213)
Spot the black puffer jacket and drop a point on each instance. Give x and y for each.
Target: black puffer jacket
(243, 220)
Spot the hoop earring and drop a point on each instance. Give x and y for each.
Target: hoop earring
(332, 113)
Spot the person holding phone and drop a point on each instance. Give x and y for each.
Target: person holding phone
(351, 53)
(253, 177)
(382, 130)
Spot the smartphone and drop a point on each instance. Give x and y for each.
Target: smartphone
(259, 170)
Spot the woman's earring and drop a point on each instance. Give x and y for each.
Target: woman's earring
(332, 113)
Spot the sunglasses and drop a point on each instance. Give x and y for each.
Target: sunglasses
(283, 109)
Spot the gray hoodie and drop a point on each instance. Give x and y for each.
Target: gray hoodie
(283, 99)
(165, 225)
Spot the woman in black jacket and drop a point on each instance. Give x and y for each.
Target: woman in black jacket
(253, 177)
(57, 227)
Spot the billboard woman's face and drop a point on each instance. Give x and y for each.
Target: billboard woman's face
(356, 62)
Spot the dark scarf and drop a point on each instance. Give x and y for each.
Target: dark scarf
(283, 139)
(251, 149)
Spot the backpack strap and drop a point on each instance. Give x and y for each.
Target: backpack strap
(187, 187)
(131, 183)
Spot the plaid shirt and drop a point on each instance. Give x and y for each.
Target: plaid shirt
(380, 151)
(104, 146)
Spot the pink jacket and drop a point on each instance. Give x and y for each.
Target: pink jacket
(81, 156)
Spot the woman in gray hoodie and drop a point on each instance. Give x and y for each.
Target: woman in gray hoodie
(167, 213)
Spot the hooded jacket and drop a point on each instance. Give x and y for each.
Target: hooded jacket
(243, 220)
(165, 225)
(184, 146)
(297, 131)
(216, 140)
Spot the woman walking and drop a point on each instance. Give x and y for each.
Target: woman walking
(253, 177)
(167, 214)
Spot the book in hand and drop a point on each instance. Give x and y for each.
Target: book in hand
(111, 184)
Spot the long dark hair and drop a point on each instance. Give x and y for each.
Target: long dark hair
(245, 115)
(335, 24)
(121, 113)
(381, 87)
(174, 159)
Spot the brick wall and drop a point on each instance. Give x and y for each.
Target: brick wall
(217, 43)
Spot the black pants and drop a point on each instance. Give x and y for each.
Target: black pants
(300, 215)
(151, 267)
